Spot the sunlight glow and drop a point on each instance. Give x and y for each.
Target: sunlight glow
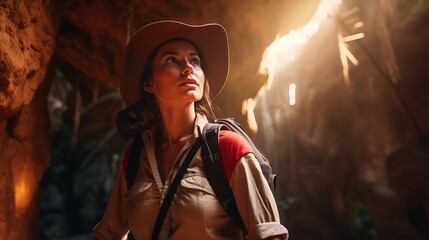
(284, 50)
(248, 107)
(288, 45)
(22, 190)
(353, 37)
(311, 28)
(292, 91)
(358, 24)
(349, 17)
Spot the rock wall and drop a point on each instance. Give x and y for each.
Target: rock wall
(27, 42)
(352, 152)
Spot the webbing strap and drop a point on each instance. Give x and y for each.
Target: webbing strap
(172, 189)
(215, 171)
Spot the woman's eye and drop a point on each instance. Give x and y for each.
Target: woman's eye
(195, 62)
(171, 60)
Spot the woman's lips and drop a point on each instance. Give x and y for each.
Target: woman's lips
(189, 82)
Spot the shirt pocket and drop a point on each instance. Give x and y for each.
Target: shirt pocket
(143, 206)
(197, 185)
(194, 189)
(138, 187)
(198, 193)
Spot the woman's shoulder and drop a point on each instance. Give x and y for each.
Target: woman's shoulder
(233, 141)
(232, 147)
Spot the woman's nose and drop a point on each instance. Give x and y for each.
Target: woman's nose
(188, 68)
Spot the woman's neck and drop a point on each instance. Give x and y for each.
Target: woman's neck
(177, 124)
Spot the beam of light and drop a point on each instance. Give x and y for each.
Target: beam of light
(343, 57)
(248, 107)
(351, 18)
(292, 94)
(345, 52)
(288, 45)
(358, 24)
(353, 37)
(349, 55)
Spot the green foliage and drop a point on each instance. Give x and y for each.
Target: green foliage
(285, 204)
(57, 175)
(61, 144)
(363, 221)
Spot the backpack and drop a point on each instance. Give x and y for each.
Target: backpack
(213, 163)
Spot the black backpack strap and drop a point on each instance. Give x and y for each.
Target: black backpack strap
(133, 160)
(215, 171)
(172, 189)
(132, 167)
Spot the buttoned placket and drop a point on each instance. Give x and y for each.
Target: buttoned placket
(163, 187)
(150, 150)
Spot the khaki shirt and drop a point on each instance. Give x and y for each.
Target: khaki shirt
(195, 212)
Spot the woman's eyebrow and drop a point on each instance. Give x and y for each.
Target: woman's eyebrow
(194, 54)
(175, 53)
(169, 53)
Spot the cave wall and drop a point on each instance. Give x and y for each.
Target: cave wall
(27, 42)
(352, 154)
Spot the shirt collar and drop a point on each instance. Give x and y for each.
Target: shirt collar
(199, 123)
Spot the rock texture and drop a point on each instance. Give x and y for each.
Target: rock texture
(27, 42)
(27, 39)
(353, 153)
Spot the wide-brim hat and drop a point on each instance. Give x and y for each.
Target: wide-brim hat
(211, 41)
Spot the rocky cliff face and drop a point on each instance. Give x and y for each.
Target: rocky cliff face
(27, 36)
(353, 150)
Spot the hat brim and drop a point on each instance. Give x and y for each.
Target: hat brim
(211, 41)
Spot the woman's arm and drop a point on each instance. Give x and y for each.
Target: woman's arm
(114, 224)
(255, 201)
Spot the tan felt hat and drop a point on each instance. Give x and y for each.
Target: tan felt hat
(210, 40)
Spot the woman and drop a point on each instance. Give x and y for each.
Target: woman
(170, 70)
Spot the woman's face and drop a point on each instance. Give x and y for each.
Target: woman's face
(177, 75)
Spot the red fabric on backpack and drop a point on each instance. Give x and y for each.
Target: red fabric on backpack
(232, 147)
